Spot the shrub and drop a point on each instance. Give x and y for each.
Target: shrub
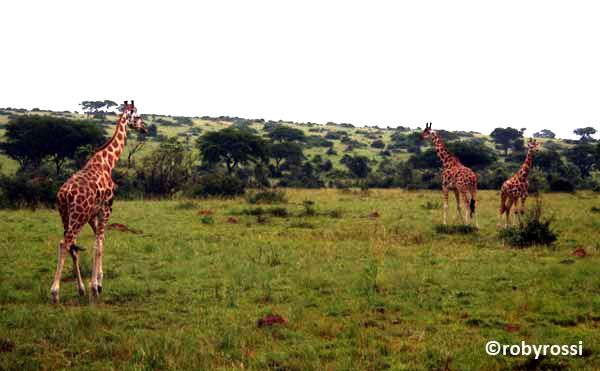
(535, 230)
(207, 219)
(218, 185)
(267, 196)
(454, 229)
(562, 185)
(26, 190)
(431, 205)
(309, 208)
(278, 212)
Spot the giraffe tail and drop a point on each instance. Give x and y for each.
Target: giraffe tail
(472, 206)
(75, 248)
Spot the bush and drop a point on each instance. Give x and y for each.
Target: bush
(267, 196)
(562, 185)
(454, 229)
(26, 190)
(218, 185)
(278, 212)
(535, 230)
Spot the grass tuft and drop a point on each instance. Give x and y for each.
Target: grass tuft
(454, 229)
(267, 196)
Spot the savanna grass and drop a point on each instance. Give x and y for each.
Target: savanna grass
(356, 291)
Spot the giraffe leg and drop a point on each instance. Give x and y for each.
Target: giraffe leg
(97, 257)
(502, 208)
(74, 251)
(63, 247)
(516, 212)
(458, 210)
(465, 198)
(508, 207)
(97, 273)
(474, 209)
(445, 193)
(71, 231)
(522, 211)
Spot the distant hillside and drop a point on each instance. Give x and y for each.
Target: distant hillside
(330, 141)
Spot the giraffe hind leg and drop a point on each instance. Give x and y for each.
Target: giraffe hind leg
(74, 251)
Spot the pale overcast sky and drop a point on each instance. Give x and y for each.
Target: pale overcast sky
(463, 65)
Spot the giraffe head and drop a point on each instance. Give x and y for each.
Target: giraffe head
(134, 120)
(427, 132)
(533, 145)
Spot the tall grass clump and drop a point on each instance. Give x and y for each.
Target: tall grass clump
(266, 196)
(534, 230)
(454, 229)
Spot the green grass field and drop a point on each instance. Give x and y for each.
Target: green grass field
(363, 281)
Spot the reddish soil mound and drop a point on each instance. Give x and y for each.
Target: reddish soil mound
(205, 212)
(232, 220)
(271, 319)
(122, 228)
(579, 252)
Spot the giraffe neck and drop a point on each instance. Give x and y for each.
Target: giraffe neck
(447, 158)
(110, 152)
(524, 169)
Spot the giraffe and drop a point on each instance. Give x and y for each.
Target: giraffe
(86, 198)
(455, 176)
(515, 188)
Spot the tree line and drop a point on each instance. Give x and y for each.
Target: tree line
(48, 149)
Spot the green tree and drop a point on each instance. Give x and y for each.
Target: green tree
(291, 153)
(284, 133)
(167, 169)
(506, 137)
(357, 165)
(544, 133)
(232, 147)
(585, 134)
(583, 156)
(31, 139)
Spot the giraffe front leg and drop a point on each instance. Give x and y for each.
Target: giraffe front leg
(99, 253)
(501, 209)
(95, 267)
(508, 207)
(445, 193)
(522, 211)
(458, 210)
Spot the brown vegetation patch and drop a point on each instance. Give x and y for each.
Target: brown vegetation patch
(271, 319)
(6, 345)
(205, 212)
(122, 228)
